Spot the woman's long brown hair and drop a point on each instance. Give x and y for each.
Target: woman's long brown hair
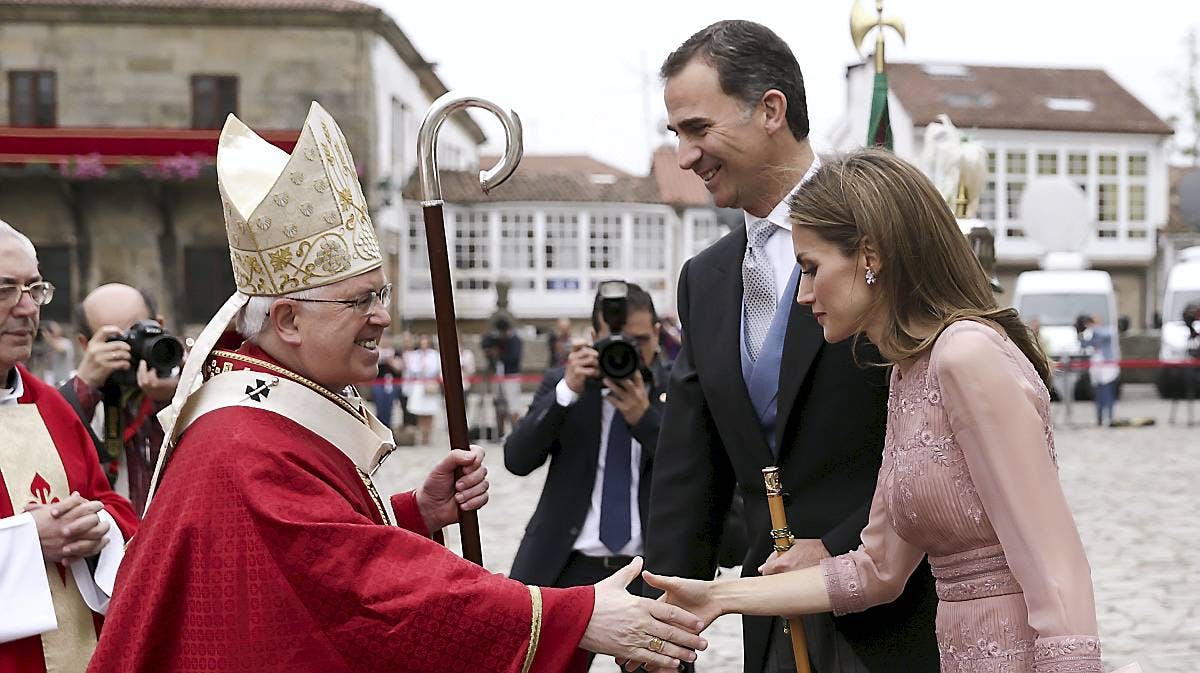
(928, 274)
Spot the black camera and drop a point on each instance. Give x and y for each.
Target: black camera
(619, 357)
(148, 342)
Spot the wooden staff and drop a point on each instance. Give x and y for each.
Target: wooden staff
(439, 267)
(783, 542)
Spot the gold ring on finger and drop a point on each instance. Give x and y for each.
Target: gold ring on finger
(656, 645)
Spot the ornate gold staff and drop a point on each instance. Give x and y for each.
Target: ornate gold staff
(439, 266)
(783, 542)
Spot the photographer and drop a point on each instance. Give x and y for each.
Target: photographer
(1099, 342)
(598, 425)
(107, 320)
(504, 349)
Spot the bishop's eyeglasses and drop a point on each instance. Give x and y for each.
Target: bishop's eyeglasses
(40, 292)
(364, 303)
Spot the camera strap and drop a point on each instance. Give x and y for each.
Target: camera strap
(114, 442)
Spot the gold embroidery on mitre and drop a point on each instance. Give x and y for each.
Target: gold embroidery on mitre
(303, 230)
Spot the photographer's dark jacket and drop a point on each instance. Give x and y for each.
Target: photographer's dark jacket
(141, 434)
(570, 438)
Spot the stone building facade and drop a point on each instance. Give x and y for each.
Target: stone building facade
(109, 116)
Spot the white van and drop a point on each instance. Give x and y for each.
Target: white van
(1183, 288)
(1056, 297)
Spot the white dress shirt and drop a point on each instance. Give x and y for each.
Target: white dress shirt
(779, 247)
(588, 543)
(23, 578)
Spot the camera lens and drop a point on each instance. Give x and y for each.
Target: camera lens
(163, 353)
(618, 359)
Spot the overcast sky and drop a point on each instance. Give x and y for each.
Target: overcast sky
(583, 75)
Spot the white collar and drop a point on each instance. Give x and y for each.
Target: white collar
(12, 393)
(779, 215)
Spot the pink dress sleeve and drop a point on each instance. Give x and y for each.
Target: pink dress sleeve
(877, 571)
(994, 413)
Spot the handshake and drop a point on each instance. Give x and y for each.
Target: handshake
(640, 631)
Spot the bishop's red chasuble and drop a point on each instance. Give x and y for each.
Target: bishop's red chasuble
(48, 455)
(264, 550)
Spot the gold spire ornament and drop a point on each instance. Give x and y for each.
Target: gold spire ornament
(861, 23)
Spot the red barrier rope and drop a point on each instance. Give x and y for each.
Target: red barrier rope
(1129, 364)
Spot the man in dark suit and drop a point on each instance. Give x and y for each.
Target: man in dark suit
(755, 384)
(599, 435)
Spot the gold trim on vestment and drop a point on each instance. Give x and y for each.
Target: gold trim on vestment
(366, 479)
(30, 462)
(535, 627)
(311, 385)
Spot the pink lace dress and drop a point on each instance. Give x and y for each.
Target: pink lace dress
(969, 478)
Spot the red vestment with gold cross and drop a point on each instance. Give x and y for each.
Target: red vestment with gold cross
(264, 551)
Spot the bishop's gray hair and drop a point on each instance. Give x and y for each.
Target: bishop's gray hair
(7, 231)
(252, 318)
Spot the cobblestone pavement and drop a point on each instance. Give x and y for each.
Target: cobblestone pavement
(1135, 493)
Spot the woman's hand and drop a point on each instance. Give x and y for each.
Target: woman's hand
(695, 596)
(639, 629)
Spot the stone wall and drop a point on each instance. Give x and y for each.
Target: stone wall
(140, 75)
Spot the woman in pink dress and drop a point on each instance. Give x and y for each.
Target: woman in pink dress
(968, 475)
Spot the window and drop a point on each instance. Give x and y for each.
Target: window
(1137, 203)
(1137, 164)
(1107, 164)
(991, 162)
(417, 267)
(212, 274)
(649, 242)
(1077, 163)
(1106, 202)
(987, 202)
(562, 241)
(214, 97)
(472, 244)
(1013, 199)
(1070, 104)
(399, 140)
(706, 229)
(604, 242)
(517, 244)
(54, 263)
(472, 284)
(32, 98)
(1014, 163)
(1047, 163)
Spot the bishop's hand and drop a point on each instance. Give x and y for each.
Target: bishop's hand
(441, 496)
(639, 629)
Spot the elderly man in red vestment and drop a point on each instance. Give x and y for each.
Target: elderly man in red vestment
(265, 546)
(62, 529)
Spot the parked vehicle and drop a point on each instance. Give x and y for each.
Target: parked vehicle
(1183, 290)
(1055, 297)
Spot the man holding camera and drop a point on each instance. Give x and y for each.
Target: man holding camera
(110, 321)
(596, 420)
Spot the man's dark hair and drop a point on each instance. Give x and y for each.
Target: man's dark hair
(750, 60)
(81, 322)
(637, 300)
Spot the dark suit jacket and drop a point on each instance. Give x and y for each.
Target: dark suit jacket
(570, 438)
(830, 429)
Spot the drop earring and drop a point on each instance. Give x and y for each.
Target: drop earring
(870, 275)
